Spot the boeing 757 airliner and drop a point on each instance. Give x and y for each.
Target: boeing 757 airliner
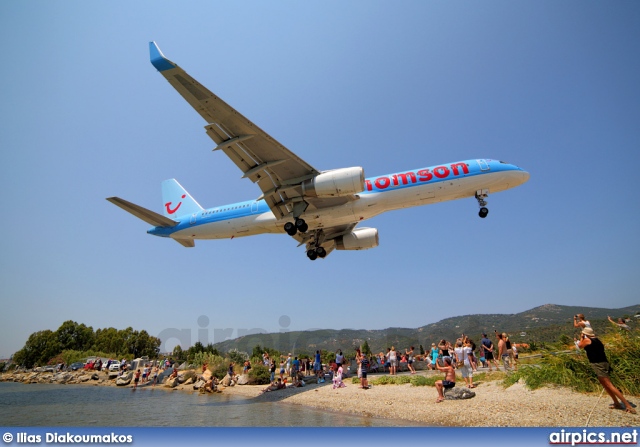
(320, 209)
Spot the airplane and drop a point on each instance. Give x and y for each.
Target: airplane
(319, 209)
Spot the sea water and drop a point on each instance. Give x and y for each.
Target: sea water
(81, 406)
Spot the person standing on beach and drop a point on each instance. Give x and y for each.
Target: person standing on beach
(435, 352)
(487, 347)
(230, 371)
(449, 378)
(409, 353)
(317, 367)
(136, 379)
(600, 364)
(514, 350)
(502, 351)
(295, 367)
(363, 363)
(393, 361)
(339, 358)
(287, 365)
(155, 375)
(272, 371)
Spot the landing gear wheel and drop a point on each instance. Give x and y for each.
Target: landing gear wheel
(301, 225)
(290, 228)
(312, 254)
(321, 252)
(483, 212)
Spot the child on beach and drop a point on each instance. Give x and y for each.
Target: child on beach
(449, 378)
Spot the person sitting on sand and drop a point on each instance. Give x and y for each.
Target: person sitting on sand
(174, 373)
(210, 385)
(600, 364)
(275, 386)
(449, 378)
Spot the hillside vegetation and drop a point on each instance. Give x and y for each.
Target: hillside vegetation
(547, 326)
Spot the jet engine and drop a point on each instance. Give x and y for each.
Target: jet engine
(338, 182)
(360, 239)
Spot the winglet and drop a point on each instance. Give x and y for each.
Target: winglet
(157, 58)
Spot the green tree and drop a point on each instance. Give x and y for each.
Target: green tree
(39, 348)
(178, 353)
(145, 345)
(74, 336)
(110, 340)
(365, 348)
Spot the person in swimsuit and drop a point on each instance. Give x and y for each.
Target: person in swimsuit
(449, 378)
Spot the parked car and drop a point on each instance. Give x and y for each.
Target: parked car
(75, 366)
(114, 366)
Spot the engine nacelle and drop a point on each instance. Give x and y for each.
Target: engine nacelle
(339, 182)
(360, 239)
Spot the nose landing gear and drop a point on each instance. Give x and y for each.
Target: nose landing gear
(481, 195)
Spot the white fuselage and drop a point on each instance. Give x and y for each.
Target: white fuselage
(251, 218)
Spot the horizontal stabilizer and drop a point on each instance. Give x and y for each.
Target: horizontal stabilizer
(186, 242)
(155, 219)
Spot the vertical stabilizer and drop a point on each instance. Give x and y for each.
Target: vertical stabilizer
(176, 201)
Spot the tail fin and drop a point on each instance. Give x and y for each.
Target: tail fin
(177, 201)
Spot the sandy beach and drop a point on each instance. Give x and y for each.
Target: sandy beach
(493, 406)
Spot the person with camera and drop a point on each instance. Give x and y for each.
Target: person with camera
(580, 321)
(600, 364)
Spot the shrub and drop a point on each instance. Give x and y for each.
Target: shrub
(574, 371)
(259, 375)
(423, 381)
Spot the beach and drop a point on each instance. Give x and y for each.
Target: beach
(493, 405)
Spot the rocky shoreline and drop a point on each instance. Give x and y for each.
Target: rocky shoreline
(492, 406)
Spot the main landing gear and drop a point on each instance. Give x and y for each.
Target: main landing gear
(293, 227)
(481, 195)
(315, 253)
(315, 250)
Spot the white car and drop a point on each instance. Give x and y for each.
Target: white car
(114, 367)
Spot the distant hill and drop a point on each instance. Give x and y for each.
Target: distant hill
(545, 323)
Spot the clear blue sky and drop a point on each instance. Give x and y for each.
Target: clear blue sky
(550, 86)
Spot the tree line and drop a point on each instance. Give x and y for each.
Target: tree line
(43, 346)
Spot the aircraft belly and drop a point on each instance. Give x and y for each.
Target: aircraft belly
(225, 229)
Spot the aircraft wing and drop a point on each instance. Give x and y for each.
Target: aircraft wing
(277, 171)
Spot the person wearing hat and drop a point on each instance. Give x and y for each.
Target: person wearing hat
(600, 364)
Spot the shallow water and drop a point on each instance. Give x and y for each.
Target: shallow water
(77, 405)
